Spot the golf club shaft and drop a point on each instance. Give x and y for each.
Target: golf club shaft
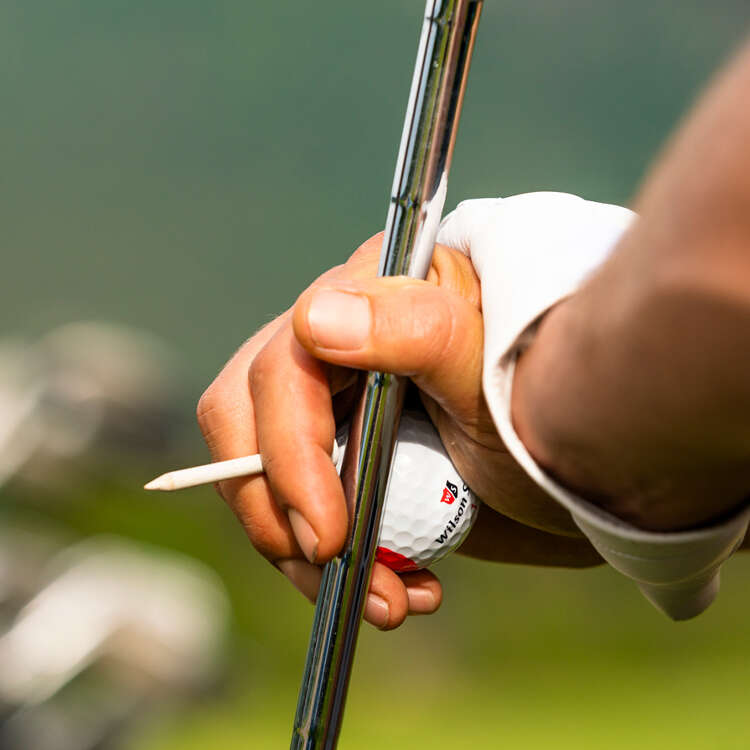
(416, 206)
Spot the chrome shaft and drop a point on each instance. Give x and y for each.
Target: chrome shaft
(416, 206)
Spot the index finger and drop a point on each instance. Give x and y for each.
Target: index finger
(295, 430)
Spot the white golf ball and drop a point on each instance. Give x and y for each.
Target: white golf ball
(429, 509)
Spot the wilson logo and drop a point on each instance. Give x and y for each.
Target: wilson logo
(450, 493)
(453, 522)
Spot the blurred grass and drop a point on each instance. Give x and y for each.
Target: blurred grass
(519, 659)
(516, 657)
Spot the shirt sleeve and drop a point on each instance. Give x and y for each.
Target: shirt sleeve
(531, 251)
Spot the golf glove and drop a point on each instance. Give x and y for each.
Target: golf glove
(531, 251)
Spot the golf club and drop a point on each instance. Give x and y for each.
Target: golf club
(416, 204)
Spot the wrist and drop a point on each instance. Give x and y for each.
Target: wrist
(544, 411)
(617, 442)
(567, 411)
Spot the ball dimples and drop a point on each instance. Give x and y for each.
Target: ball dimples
(428, 509)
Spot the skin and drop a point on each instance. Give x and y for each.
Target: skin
(647, 407)
(634, 392)
(279, 393)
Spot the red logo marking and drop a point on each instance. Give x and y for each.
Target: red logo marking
(394, 560)
(447, 497)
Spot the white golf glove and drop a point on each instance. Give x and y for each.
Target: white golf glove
(530, 251)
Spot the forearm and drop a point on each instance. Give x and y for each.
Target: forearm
(636, 391)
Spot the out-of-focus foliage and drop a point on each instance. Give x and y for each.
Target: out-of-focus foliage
(187, 167)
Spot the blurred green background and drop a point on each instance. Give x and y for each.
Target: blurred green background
(188, 167)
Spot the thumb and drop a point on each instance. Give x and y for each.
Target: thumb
(400, 325)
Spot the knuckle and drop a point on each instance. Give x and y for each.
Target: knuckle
(206, 409)
(219, 412)
(214, 416)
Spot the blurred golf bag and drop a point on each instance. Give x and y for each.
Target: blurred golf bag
(102, 633)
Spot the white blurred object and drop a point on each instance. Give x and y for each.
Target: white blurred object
(110, 631)
(159, 613)
(85, 387)
(22, 388)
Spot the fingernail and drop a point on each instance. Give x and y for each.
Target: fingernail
(339, 320)
(421, 601)
(304, 534)
(376, 611)
(303, 576)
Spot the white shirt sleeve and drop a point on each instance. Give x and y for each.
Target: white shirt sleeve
(530, 251)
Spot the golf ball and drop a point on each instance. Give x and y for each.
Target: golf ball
(429, 509)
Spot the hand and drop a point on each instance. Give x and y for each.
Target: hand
(278, 395)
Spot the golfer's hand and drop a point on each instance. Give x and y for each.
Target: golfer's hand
(279, 393)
